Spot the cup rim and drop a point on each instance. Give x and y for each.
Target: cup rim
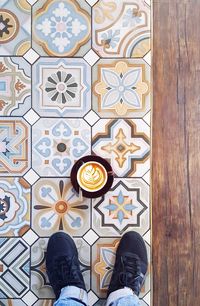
(81, 167)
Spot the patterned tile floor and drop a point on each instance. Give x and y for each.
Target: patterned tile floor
(74, 80)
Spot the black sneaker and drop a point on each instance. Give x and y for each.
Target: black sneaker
(130, 265)
(62, 263)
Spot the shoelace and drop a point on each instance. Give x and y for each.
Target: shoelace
(65, 268)
(131, 272)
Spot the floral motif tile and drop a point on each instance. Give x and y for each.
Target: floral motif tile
(14, 206)
(56, 206)
(103, 259)
(15, 86)
(14, 146)
(39, 279)
(14, 268)
(57, 144)
(121, 88)
(121, 28)
(125, 144)
(61, 28)
(61, 87)
(125, 207)
(75, 79)
(15, 27)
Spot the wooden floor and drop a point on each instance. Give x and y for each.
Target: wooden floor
(176, 153)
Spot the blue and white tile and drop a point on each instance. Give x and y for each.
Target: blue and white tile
(14, 267)
(14, 207)
(61, 87)
(56, 206)
(61, 28)
(57, 144)
(15, 30)
(15, 86)
(121, 28)
(125, 144)
(121, 88)
(14, 146)
(123, 208)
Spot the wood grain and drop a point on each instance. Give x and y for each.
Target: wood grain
(176, 153)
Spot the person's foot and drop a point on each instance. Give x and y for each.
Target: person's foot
(130, 265)
(62, 263)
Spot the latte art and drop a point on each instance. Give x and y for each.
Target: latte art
(92, 176)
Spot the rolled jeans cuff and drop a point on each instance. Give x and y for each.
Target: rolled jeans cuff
(73, 292)
(120, 293)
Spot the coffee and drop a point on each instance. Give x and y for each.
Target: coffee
(92, 176)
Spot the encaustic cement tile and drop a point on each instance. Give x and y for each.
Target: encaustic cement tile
(124, 207)
(14, 267)
(56, 206)
(14, 146)
(121, 28)
(44, 302)
(15, 86)
(57, 144)
(125, 144)
(12, 302)
(14, 207)
(61, 28)
(39, 279)
(103, 259)
(15, 29)
(61, 87)
(121, 88)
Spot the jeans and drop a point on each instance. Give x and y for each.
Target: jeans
(74, 296)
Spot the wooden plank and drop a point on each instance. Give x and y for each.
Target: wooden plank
(176, 153)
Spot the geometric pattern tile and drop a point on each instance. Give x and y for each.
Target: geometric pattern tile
(14, 267)
(57, 144)
(125, 144)
(29, 298)
(121, 28)
(15, 86)
(44, 302)
(103, 258)
(39, 279)
(61, 87)
(12, 302)
(15, 29)
(75, 79)
(56, 206)
(61, 28)
(125, 207)
(121, 88)
(14, 206)
(14, 146)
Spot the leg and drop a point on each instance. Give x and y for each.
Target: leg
(129, 271)
(131, 300)
(64, 271)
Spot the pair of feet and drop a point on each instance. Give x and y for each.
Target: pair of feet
(63, 265)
